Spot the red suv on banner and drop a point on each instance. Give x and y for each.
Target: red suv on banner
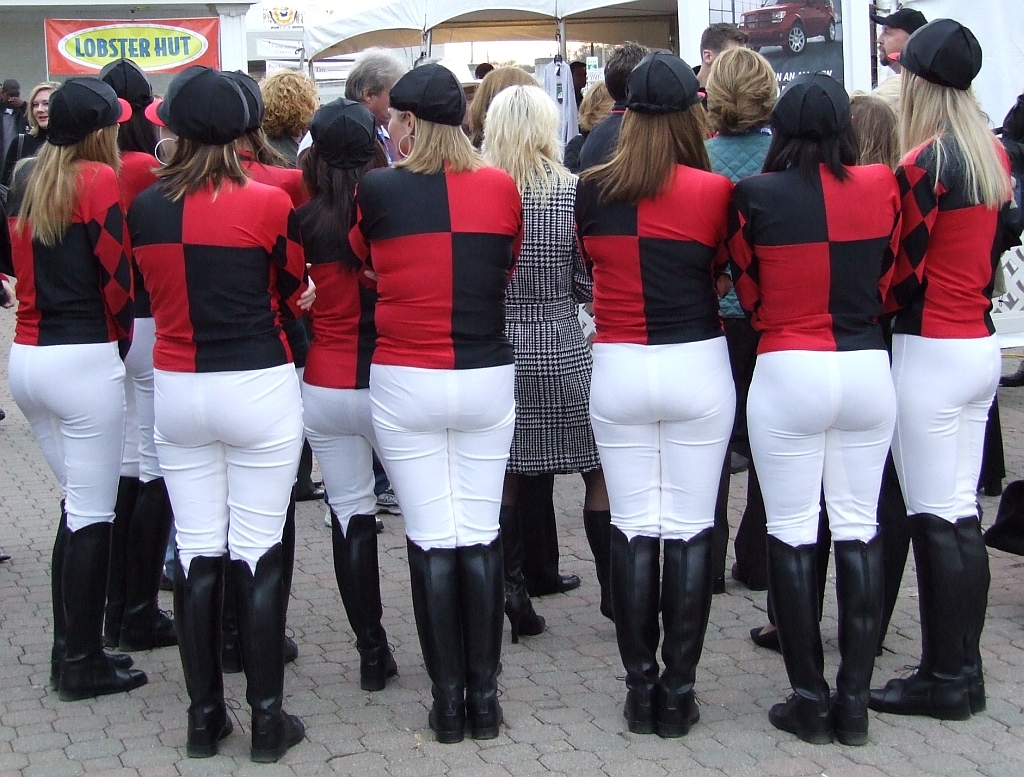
(83, 47)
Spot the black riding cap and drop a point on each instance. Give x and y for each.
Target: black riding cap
(662, 83)
(344, 134)
(430, 92)
(813, 106)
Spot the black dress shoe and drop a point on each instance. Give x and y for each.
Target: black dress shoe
(1014, 380)
(310, 495)
(768, 639)
(567, 583)
(4, 557)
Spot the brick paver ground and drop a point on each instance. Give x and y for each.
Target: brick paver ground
(562, 692)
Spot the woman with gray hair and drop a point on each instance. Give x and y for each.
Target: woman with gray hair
(369, 82)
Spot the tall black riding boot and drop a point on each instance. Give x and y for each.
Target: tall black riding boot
(686, 584)
(291, 650)
(358, 575)
(434, 579)
(859, 586)
(976, 582)
(937, 689)
(144, 627)
(259, 606)
(793, 582)
(197, 613)
(598, 526)
(230, 655)
(117, 574)
(518, 607)
(481, 596)
(86, 670)
(635, 583)
(60, 547)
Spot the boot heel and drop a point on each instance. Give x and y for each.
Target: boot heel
(448, 723)
(206, 729)
(514, 624)
(272, 736)
(639, 710)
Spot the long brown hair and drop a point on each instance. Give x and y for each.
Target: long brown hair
(650, 147)
(51, 194)
(195, 166)
(877, 130)
(494, 82)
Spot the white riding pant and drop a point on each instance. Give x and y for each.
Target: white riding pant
(821, 420)
(944, 389)
(662, 418)
(229, 445)
(139, 396)
(444, 438)
(340, 432)
(73, 397)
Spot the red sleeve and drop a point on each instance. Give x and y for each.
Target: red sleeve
(100, 208)
(744, 260)
(286, 253)
(920, 209)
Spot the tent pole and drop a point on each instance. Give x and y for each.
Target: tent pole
(561, 38)
(428, 43)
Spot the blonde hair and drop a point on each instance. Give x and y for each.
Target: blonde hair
(497, 80)
(33, 125)
(195, 166)
(290, 99)
(51, 194)
(876, 127)
(742, 90)
(434, 144)
(596, 106)
(522, 139)
(954, 120)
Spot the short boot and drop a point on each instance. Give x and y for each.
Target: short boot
(481, 595)
(230, 654)
(938, 688)
(60, 546)
(117, 574)
(977, 578)
(259, 605)
(197, 613)
(358, 575)
(686, 587)
(291, 650)
(793, 583)
(434, 580)
(86, 670)
(521, 616)
(598, 525)
(144, 626)
(859, 586)
(635, 573)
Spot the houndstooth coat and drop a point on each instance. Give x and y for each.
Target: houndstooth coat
(553, 361)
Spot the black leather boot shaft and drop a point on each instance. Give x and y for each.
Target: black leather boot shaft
(598, 526)
(481, 595)
(358, 574)
(291, 650)
(434, 579)
(977, 579)
(231, 656)
(859, 589)
(143, 626)
(86, 670)
(686, 586)
(60, 546)
(117, 571)
(521, 616)
(198, 603)
(259, 607)
(635, 589)
(793, 582)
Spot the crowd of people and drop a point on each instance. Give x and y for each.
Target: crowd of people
(798, 285)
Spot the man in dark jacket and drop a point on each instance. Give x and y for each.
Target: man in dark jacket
(600, 144)
(15, 116)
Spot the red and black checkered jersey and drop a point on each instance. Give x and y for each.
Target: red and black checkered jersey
(222, 269)
(945, 267)
(812, 259)
(80, 290)
(344, 333)
(136, 175)
(281, 177)
(654, 263)
(443, 247)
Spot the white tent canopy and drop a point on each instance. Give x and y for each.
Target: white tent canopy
(400, 23)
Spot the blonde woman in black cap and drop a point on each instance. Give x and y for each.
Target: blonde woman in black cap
(812, 246)
(220, 257)
(72, 260)
(653, 222)
(335, 383)
(440, 232)
(946, 363)
(143, 517)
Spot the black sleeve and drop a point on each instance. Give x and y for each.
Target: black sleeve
(6, 259)
(572, 153)
(10, 160)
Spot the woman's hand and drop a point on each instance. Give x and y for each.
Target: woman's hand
(307, 297)
(723, 284)
(8, 294)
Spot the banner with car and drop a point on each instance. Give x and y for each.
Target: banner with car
(795, 36)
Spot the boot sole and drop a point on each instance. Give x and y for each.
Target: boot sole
(924, 711)
(209, 749)
(810, 737)
(91, 693)
(851, 738)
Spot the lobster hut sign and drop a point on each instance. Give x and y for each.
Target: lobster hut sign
(82, 47)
